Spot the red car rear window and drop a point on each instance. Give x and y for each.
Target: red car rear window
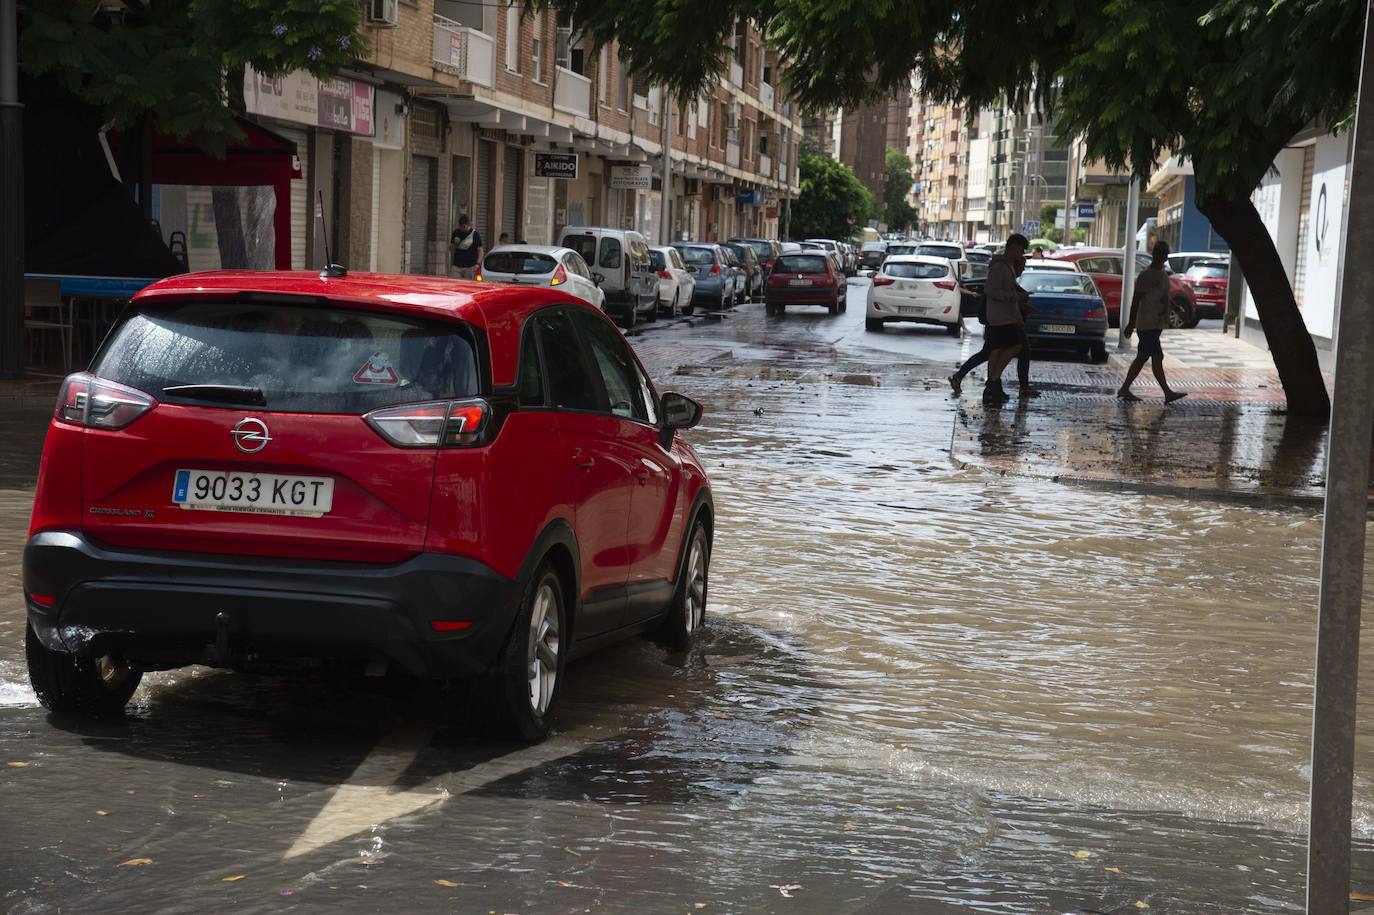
(801, 263)
(301, 359)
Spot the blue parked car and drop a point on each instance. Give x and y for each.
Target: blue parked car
(714, 276)
(1067, 312)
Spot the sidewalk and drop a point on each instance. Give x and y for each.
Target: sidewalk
(32, 392)
(1230, 439)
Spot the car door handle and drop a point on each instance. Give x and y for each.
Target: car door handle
(584, 461)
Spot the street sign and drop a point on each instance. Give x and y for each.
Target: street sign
(556, 165)
(1030, 227)
(631, 177)
(1087, 212)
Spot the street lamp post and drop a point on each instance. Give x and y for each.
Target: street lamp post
(12, 192)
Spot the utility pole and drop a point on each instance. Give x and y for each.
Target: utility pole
(12, 192)
(1128, 260)
(787, 170)
(1343, 534)
(1068, 194)
(665, 211)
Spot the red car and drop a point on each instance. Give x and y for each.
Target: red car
(1209, 280)
(465, 482)
(1104, 266)
(808, 278)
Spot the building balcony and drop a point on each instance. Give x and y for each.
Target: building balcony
(767, 97)
(572, 92)
(464, 52)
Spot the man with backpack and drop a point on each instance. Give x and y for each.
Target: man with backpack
(1017, 262)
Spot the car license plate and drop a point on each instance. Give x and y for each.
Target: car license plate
(1058, 329)
(799, 282)
(258, 493)
(908, 310)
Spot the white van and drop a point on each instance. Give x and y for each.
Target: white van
(623, 268)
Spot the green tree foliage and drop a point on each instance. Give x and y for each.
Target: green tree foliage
(1225, 82)
(830, 196)
(171, 56)
(898, 212)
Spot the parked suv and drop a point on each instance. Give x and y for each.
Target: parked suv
(470, 483)
(621, 258)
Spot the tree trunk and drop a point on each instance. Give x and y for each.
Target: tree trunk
(1295, 357)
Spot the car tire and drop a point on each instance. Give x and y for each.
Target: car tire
(955, 329)
(631, 317)
(521, 695)
(652, 313)
(67, 684)
(1178, 314)
(1097, 353)
(687, 614)
(774, 308)
(690, 308)
(874, 325)
(833, 308)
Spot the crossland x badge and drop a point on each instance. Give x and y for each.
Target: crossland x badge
(250, 435)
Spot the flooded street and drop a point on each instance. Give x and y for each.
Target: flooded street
(922, 689)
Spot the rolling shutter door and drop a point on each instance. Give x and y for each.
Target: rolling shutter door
(481, 215)
(510, 194)
(418, 219)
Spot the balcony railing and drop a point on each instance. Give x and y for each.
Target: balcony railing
(465, 52)
(766, 96)
(572, 92)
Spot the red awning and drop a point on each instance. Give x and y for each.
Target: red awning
(260, 157)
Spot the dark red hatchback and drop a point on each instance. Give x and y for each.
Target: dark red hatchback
(809, 278)
(463, 481)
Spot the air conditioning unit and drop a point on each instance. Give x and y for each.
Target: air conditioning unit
(383, 13)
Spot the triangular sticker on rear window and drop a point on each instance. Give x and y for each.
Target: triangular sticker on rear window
(377, 370)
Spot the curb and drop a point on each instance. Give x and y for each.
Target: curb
(1173, 490)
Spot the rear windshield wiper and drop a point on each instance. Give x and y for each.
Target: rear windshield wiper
(225, 393)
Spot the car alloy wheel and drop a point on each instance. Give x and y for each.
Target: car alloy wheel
(687, 613)
(541, 655)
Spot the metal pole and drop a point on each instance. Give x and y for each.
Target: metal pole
(787, 169)
(1068, 195)
(1343, 534)
(1128, 261)
(1235, 298)
(665, 210)
(12, 193)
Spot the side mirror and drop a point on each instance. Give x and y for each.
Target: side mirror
(692, 270)
(598, 278)
(679, 411)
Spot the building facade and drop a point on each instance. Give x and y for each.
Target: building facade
(471, 109)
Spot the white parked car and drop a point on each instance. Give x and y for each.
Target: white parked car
(918, 288)
(1043, 263)
(542, 265)
(675, 282)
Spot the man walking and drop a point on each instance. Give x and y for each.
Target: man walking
(1005, 334)
(1149, 316)
(465, 246)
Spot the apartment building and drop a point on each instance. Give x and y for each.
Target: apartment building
(471, 108)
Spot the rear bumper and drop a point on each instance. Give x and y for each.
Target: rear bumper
(802, 295)
(164, 609)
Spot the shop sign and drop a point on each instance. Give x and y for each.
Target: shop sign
(750, 198)
(631, 177)
(338, 104)
(556, 165)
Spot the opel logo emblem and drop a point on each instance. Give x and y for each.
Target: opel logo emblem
(250, 435)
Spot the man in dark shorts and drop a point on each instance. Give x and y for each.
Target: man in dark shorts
(465, 247)
(1149, 317)
(1004, 335)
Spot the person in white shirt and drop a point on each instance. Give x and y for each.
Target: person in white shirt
(1149, 316)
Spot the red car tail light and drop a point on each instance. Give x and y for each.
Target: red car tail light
(450, 625)
(946, 284)
(99, 404)
(1095, 313)
(438, 424)
(715, 269)
(560, 276)
(664, 275)
(883, 281)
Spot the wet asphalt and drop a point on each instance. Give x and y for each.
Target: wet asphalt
(922, 689)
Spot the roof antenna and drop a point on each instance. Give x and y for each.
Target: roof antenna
(331, 270)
